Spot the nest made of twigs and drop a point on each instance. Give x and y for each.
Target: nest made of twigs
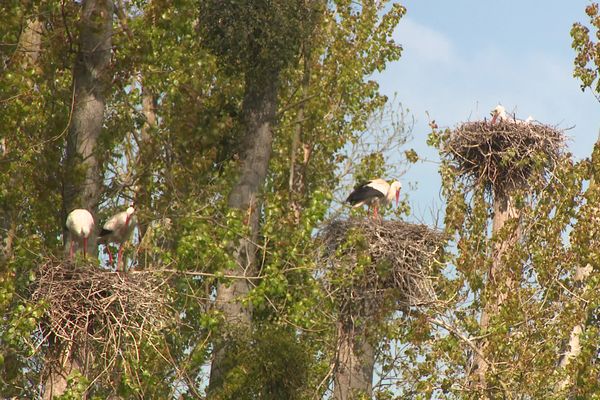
(100, 311)
(373, 261)
(504, 155)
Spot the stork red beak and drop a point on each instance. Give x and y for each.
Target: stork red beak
(494, 118)
(397, 197)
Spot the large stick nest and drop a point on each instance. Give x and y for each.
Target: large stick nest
(90, 309)
(371, 262)
(505, 155)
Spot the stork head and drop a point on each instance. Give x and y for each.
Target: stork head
(395, 188)
(499, 111)
(130, 210)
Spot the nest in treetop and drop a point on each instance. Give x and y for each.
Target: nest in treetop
(505, 155)
(370, 262)
(103, 313)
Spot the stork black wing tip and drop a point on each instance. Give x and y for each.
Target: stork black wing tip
(104, 232)
(362, 184)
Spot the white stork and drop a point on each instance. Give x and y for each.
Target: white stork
(118, 229)
(528, 120)
(499, 113)
(376, 191)
(80, 224)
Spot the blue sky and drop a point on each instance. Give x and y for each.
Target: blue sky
(461, 58)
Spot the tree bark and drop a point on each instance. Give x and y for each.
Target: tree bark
(355, 361)
(56, 381)
(30, 43)
(83, 179)
(297, 175)
(573, 348)
(91, 78)
(143, 198)
(582, 274)
(500, 280)
(258, 110)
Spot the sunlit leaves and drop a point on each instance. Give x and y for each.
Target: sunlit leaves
(585, 42)
(259, 34)
(191, 159)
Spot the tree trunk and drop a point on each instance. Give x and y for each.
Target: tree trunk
(297, 176)
(143, 198)
(500, 280)
(83, 179)
(143, 188)
(30, 43)
(573, 348)
(259, 108)
(355, 361)
(582, 274)
(55, 383)
(91, 79)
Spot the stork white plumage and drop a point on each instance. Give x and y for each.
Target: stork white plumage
(118, 229)
(80, 224)
(528, 120)
(499, 112)
(375, 192)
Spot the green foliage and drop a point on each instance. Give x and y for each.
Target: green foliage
(187, 162)
(76, 387)
(271, 364)
(526, 335)
(587, 60)
(261, 34)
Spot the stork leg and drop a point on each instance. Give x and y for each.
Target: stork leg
(110, 257)
(375, 213)
(119, 256)
(85, 247)
(71, 249)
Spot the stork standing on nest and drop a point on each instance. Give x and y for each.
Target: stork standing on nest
(375, 192)
(118, 229)
(499, 112)
(80, 224)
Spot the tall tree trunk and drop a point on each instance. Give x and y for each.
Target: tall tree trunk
(30, 43)
(91, 79)
(83, 179)
(582, 274)
(573, 348)
(56, 382)
(500, 279)
(259, 108)
(142, 194)
(296, 181)
(143, 188)
(355, 361)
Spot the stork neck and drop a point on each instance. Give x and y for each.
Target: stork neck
(390, 195)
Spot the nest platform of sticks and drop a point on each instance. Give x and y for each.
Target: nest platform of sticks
(504, 155)
(104, 312)
(372, 260)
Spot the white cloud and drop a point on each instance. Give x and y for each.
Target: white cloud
(454, 82)
(423, 42)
